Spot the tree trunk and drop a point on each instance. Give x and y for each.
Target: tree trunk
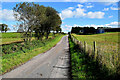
(47, 36)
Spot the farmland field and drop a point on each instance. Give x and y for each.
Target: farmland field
(8, 38)
(107, 41)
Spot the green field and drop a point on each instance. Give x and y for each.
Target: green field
(107, 41)
(11, 35)
(12, 60)
(8, 38)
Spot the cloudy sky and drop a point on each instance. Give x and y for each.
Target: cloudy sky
(102, 13)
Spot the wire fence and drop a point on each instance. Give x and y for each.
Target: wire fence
(111, 61)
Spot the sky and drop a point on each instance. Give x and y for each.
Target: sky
(102, 13)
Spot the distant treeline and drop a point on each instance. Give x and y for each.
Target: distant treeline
(92, 30)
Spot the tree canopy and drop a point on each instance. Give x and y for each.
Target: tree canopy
(4, 27)
(37, 18)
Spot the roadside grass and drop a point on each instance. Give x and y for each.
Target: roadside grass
(11, 61)
(84, 67)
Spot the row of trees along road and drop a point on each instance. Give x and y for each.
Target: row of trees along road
(4, 27)
(37, 18)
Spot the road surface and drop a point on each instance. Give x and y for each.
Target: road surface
(52, 64)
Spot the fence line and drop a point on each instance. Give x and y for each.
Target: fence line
(96, 53)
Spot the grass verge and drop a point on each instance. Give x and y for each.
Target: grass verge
(11, 61)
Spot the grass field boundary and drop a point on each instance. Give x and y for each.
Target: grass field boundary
(110, 61)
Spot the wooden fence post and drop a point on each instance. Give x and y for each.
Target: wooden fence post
(94, 49)
(77, 42)
(80, 45)
(85, 47)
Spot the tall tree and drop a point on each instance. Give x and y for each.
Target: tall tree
(52, 20)
(24, 14)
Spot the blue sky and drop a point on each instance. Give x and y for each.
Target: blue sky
(94, 14)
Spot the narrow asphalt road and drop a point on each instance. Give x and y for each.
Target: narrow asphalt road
(52, 64)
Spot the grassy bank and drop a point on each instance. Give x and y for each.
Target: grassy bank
(84, 67)
(10, 61)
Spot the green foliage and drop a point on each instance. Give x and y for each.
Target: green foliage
(4, 27)
(39, 18)
(17, 47)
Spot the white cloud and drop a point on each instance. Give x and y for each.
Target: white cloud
(6, 15)
(14, 26)
(67, 13)
(80, 12)
(105, 9)
(89, 6)
(113, 8)
(98, 15)
(71, 8)
(79, 5)
(113, 24)
(110, 16)
(66, 28)
(82, 1)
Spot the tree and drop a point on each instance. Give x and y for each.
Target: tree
(39, 19)
(4, 27)
(24, 14)
(52, 20)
